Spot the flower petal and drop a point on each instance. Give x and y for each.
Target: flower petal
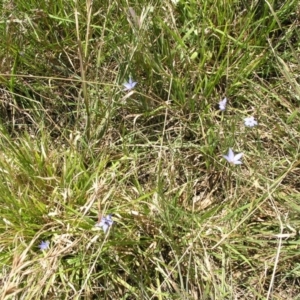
(222, 104)
(226, 157)
(238, 156)
(230, 154)
(105, 227)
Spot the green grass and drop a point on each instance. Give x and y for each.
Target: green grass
(75, 147)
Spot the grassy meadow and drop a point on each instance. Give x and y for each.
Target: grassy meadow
(111, 190)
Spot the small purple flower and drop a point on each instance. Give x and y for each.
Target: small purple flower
(233, 159)
(222, 104)
(128, 86)
(105, 223)
(250, 122)
(44, 245)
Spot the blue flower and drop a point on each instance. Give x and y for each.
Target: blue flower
(128, 86)
(250, 122)
(105, 223)
(44, 245)
(222, 104)
(233, 159)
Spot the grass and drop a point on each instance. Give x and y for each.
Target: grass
(76, 147)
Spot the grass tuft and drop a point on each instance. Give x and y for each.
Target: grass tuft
(75, 148)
